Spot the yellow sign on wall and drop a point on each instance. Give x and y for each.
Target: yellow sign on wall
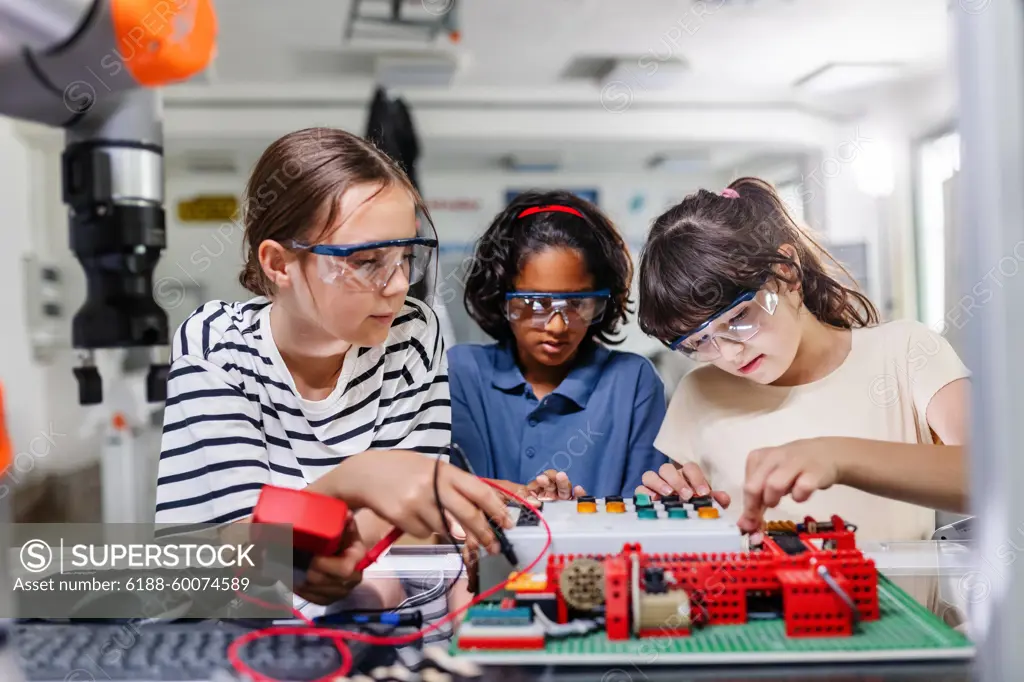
(208, 208)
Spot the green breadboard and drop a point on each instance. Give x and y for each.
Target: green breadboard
(905, 631)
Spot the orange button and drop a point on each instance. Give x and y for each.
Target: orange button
(615, 507)
(586, 507)
(707, 513)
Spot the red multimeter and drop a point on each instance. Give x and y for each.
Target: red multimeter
(317, 521)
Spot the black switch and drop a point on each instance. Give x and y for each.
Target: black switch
(654, 580)
(702, 501)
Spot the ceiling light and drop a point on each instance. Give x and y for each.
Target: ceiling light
(532, 162)
(647, 72)
(417, 71)
(678, 163)
(833, 78)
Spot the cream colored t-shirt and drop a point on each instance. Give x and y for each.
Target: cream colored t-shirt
(880, 392)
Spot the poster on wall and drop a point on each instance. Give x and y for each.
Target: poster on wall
(454, 205)
(590, 195)
(208, 208)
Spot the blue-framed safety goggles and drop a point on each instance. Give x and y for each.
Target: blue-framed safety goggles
(738, 322)
(577, 308)
(371, 265)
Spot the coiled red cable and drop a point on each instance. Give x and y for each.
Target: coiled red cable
(339, 636)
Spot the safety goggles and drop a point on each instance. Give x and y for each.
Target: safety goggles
(737, 322)
(370, 266)
(577, 309)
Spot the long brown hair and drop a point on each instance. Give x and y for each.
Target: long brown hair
(710, 248)
(294, 191)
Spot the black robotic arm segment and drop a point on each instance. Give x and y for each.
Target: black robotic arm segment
(114, 189)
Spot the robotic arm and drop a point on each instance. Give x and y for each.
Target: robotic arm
(90, 67)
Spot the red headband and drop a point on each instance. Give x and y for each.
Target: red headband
(543, 209)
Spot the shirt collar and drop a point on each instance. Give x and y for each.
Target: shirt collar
(583, 378)
(577, 386)
(507, 376)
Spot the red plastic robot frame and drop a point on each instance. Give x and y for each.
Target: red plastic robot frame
(811, 579)
(718, 584)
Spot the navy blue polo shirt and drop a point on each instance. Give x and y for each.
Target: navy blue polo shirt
(598, 425)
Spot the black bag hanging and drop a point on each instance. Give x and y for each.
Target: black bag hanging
(390, 127)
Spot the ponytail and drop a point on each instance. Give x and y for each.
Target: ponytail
(707, 250)
(824, 295)
(252, 277)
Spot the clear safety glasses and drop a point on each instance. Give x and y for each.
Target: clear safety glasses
(738, 322)
(370, 266)
(577, 309)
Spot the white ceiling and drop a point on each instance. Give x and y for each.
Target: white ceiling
(763, 44)
(512, 51)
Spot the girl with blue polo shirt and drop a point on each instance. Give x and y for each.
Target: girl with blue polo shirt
(550, 283)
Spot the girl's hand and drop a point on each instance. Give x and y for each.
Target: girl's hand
(398, 485)
(796, 469)
(549, 486)
(553, 485)
(685, 481)
(331, 578)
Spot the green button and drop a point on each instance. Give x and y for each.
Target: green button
(642, 501)
(647, 513)
(677, 513)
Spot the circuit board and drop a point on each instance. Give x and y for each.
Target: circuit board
(590, 525)
(905, 631)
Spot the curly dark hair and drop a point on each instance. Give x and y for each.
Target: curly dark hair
(710, 248)
(510, 240)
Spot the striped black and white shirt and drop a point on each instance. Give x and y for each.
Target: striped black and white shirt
(234, 421)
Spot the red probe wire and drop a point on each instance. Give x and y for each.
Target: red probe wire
(339, 636)
(379, 549)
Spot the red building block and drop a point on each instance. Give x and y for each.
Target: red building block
(811, 608)
(616, 597)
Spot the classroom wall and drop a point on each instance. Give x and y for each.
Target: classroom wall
(896, 121)
(23, 378)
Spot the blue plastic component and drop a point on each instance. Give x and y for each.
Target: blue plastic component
(492, 616)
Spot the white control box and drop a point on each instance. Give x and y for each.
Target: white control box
(599, 527)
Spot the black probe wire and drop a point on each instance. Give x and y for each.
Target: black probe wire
(447, 526)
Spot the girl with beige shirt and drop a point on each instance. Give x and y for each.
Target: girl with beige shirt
(805, 405)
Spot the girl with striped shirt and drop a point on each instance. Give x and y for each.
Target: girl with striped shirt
(330, 379)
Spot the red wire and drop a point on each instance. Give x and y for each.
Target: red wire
(378, 549)
(339, 636)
